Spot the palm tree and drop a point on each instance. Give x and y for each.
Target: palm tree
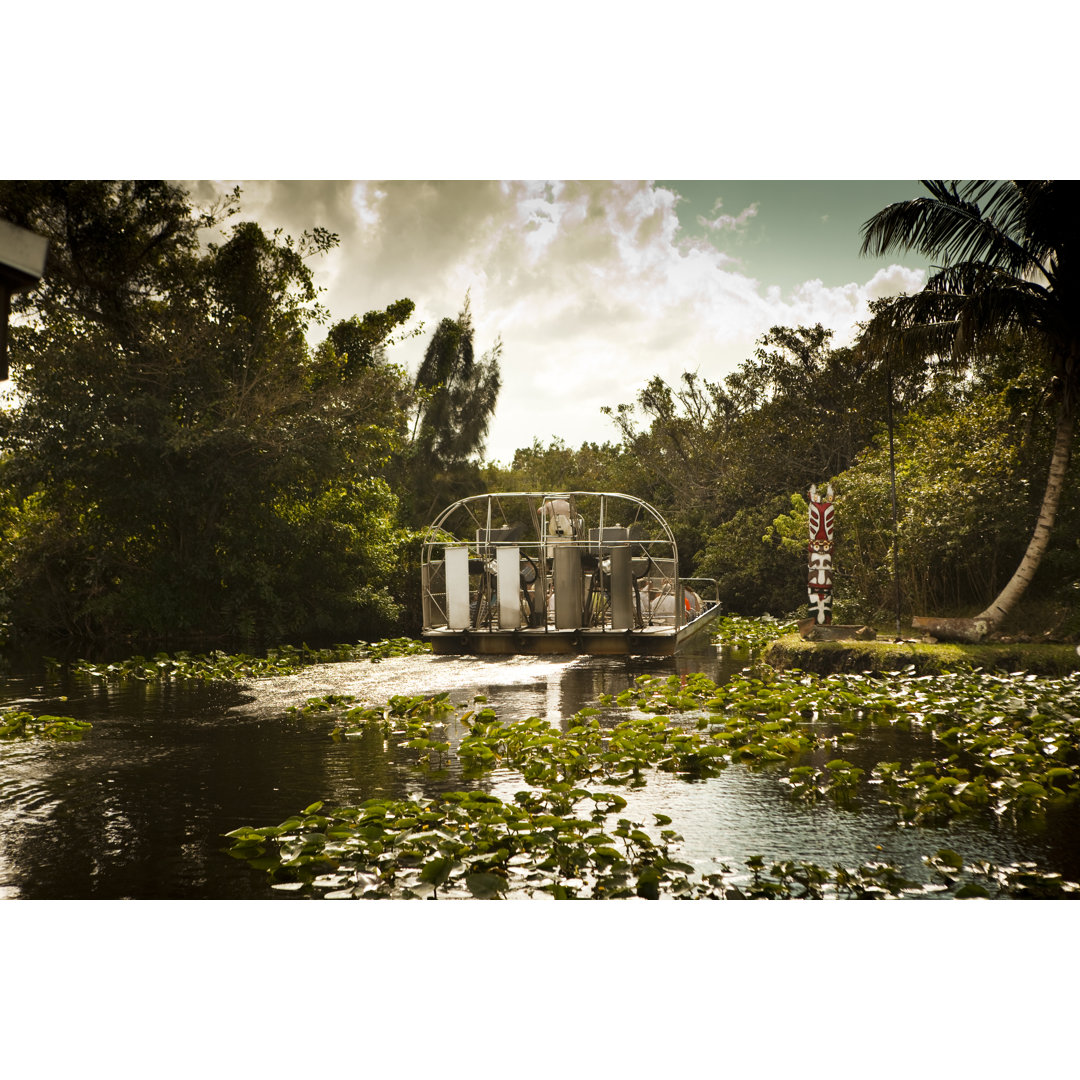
(1010, 262)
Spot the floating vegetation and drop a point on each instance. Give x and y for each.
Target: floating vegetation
(1008, 744)
(471, 844)
(740, 632)
(284, 660)
(542, 753)
(467, 843)
(952, 879)
(19, 724)
(415, 722)
(389, 647)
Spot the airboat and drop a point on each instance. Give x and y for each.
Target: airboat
(594, 573)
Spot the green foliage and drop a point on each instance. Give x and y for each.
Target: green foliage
(959, 477)
(1008, 741)
(558, 467)
(1002, 274)
(462, 844)
(178, 461)
(359, 343)
(721, 461)
(754, 571)
(284, 660)
(20, 724)
(1000, 267)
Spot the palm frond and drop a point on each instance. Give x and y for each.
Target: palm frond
(953, 227)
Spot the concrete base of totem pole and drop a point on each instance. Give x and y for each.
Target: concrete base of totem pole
(809, 630)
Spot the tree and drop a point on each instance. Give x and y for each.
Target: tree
(754, 572)
(457, 395)
(956, 465)
(1010, 262)
(716, 457)
(178, 461)
(557, 467)
(361, 343)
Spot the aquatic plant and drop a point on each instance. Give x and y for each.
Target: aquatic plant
(541, 752)
(283, 660)
(741, 632)
(465, 843)
(471, 844)
(415, 722)
(1007, 744)
(19, 724)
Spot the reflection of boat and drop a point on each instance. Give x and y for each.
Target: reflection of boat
(557, 572)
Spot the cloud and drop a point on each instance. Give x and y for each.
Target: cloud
(893, 280)
(591, 285)
(727, 222)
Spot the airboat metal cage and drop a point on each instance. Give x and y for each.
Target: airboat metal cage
(535, 571)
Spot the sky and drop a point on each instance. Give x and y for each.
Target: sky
(593, 287)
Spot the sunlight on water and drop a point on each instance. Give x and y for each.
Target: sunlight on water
(525, 685)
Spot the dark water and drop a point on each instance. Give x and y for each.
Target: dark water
(138, 808)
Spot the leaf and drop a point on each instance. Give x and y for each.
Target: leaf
(485, 886)
(648, 884)
(437, 871)
(950, 858)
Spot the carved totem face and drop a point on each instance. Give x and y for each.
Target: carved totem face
(821, 524)
(820, 571)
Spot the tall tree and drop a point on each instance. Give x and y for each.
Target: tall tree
(1010, 262)
(457, 394)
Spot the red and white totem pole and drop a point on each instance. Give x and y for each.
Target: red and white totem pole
(819, 583)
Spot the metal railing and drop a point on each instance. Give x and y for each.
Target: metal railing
(551, 561)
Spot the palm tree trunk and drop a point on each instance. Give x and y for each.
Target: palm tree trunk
(986, 621)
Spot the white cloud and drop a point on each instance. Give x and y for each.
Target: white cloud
(893, 280)
(590, 285)
(728, 222)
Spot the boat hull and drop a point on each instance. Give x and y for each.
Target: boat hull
(662, 641)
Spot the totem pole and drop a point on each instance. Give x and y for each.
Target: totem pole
(819, 584)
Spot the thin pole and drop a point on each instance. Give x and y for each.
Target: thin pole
(892, 486)
(5, 314)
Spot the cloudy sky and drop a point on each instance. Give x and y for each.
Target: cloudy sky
(593, 287)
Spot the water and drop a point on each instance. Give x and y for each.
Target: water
(139, 807)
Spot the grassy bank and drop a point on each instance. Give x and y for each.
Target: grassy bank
(826, 657)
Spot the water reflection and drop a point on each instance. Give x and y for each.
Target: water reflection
(139, 807)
